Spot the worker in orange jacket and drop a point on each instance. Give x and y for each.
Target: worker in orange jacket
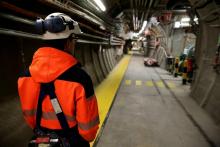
(73, 87)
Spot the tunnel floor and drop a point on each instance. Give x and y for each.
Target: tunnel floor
(149, 111)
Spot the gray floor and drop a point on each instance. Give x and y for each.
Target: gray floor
(149, 116)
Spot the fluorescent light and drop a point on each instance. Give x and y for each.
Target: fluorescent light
(185, 19)
(93, 5)
(144, 24)
(100, 4)
(143, 27)
(179, 24)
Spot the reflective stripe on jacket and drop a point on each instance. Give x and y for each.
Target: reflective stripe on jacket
(73, 88)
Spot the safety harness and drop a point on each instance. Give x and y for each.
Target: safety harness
(49, 89)
(51, 139)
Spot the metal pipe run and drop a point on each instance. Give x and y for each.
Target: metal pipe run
(20, 10)
(91, 42)
(29, 22)
(19, 33)
(18, 19)
(35, 36)
(91, 17)
(143, 13)
(94, 36)
(118, 39)
(148, 10)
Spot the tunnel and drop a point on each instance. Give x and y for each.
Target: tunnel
(154, 65)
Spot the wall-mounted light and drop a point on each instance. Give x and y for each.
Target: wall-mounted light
(184, 19)
(185, 24)
(181, 24)
(177, 24)
(100, 5)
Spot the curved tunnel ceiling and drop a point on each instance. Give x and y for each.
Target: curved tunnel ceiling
(134, 12)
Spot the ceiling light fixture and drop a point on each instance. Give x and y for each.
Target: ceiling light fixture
(179, 24)
(92, 4)
(143, 27)
(100, 4)
(184, 19)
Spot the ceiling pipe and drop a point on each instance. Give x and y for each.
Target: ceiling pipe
(133, 13)
(156, 3)
(84, 13)
(18, 19)
(148, 10)
(35, 36)
(94, 36)
(20, 10)
(91, 29)
(131, 3)
(19, 33)
(139, 2)
(143, 13)
(143, 2)
(30, 22)
(139, 9)
(136, 15)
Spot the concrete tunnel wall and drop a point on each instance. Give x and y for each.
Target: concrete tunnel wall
(205, 89)
(206, 85)
(206, 82)
(15, 56)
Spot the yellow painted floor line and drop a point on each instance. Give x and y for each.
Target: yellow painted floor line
(160, 84)
(127, 82)
(171, 84)
(138, 83)
(130, 52)
(149, 84)
(105, 92)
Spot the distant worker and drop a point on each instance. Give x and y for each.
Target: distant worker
(57, 96)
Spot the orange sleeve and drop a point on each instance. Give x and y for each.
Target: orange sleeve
(86, 114)
(28, 92)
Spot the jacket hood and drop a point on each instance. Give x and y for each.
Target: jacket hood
(48, 63)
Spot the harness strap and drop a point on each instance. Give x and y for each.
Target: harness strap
(49, 89)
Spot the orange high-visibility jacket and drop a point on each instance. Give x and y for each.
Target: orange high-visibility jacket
(73, 87)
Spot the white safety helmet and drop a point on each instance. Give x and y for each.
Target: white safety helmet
(57, 26)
